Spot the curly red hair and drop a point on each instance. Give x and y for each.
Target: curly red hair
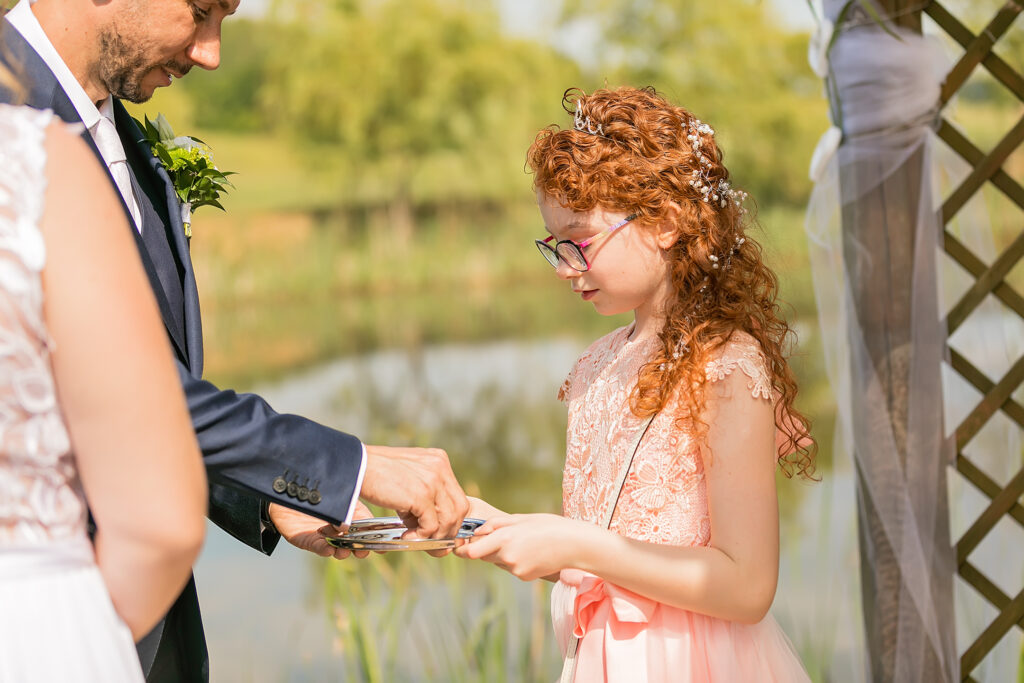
(642, 162)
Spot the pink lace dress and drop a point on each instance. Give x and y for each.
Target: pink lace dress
(57, 622)
(624, 636)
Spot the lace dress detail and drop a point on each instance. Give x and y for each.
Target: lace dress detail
(664, 498)
(41, 497)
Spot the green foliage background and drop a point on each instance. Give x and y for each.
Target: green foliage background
(429, 100)
(397, 130)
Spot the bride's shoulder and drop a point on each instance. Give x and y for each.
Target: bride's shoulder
(24, 145)
(20, 125)
(29, 138)
(22, 113)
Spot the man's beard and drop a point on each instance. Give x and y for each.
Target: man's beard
(122, 66)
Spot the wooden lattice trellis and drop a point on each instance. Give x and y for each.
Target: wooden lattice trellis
(989, 279)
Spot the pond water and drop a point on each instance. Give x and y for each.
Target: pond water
(295, 617)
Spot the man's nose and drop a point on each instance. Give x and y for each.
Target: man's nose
(204, 51)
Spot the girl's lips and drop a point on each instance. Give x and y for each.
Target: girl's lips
(588, 294)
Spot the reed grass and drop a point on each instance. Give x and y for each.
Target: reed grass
(411, 617)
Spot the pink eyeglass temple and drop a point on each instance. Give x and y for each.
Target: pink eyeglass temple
(587, 243)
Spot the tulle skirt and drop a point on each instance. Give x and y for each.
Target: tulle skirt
(630, 638)
(56, 619)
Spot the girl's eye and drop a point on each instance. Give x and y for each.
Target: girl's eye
(199, 13)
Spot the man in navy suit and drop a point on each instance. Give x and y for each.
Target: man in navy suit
(270, 474)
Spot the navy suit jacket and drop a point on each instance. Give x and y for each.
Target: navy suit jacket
(246, 445)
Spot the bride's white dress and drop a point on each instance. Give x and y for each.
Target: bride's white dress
(57, 622)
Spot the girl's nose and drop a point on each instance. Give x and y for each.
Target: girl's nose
(564, 271)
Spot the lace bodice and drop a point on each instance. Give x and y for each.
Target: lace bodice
(41, 497)
(664, 498)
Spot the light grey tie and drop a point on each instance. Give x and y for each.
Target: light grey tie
(105, 135)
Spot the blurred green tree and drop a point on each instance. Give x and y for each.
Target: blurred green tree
(406, 84)
(735, 68)
(229, 97)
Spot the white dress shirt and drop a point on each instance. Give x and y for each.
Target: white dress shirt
(25, 22)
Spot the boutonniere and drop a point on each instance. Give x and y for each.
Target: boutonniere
(197, 181)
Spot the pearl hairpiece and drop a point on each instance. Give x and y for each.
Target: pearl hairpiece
(720, 193)
(585, 125)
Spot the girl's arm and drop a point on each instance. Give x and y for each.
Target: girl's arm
(734, 578)
(118, 390)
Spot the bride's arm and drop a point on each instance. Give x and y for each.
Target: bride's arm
(734, 578)
(119, 392)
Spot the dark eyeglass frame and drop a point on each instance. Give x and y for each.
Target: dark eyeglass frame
(552, 254)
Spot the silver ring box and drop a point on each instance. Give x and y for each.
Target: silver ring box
(385, 533)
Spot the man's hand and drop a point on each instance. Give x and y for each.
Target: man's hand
(304, 532)
(419, 485)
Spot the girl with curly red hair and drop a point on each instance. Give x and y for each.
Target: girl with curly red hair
(666, 558)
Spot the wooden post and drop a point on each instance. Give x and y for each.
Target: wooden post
(884, 221)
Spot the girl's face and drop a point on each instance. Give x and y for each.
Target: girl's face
(628, 268)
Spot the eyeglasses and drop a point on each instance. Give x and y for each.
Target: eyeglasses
(572, 252)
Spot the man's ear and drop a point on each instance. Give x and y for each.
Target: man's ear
(668, 229)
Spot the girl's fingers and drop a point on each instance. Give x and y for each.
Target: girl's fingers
(495, 523)
(480, 548)
(475, 552)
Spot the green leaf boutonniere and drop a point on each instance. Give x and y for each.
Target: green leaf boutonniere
(189, 164)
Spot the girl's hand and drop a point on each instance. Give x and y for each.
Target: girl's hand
(529, 546)
(480, 509)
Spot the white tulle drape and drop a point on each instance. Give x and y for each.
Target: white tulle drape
(886, 94)
(883, 287)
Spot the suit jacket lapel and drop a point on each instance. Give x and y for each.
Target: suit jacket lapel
(154, 179)
(44, 92)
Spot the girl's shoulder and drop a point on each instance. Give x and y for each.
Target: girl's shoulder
(593, 359)
(741, 351)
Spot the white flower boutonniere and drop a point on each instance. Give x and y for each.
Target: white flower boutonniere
(189, 163)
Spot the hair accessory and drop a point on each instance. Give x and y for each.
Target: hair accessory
(695, 128)
(736, 244)
(721, 263)
(720, 193)
(585, 125)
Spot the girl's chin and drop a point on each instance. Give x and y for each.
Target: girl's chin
(603, 307)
